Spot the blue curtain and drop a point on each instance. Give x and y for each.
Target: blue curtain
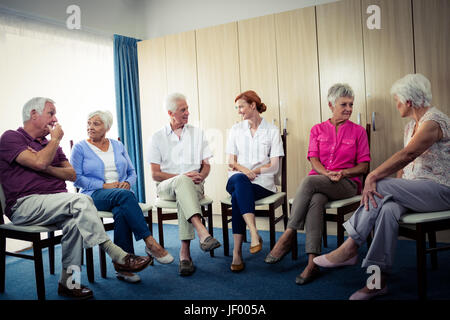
(128, 105)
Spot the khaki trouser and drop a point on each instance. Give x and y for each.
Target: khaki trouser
(187, 195)
(309, 205)
(74, 213)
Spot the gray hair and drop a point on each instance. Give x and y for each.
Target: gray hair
(339, 90)
(415, 88)
(36, 103)
(170, 103)
(106, 117)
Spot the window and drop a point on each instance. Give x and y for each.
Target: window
(72, 67)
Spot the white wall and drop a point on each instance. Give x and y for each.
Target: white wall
(145, 19)
(104, 17)
(163, 17)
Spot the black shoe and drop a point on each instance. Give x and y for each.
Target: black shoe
(313, 275)
(186, 268)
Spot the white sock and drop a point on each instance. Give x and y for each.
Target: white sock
(115, 252)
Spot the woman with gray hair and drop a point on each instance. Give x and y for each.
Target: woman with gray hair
(423, 184)
(339, 155)
(105, 172)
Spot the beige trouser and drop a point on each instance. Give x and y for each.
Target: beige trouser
(309, 205)
(74, 213)
(187, 195)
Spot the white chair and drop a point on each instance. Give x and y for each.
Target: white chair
(162, 206)
(416, 226)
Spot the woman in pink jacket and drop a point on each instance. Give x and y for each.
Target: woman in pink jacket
(339, 155)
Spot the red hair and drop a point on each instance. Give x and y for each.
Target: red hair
(251, 96)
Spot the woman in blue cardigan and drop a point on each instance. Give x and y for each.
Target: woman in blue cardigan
(105, 172)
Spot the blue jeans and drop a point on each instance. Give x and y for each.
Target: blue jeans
(243, 193)
(128, 217)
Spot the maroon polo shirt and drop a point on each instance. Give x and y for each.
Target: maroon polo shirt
(19, 181)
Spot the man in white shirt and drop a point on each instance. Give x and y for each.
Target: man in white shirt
(178, 154)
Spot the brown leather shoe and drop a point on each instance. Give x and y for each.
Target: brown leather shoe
(237, 267)
(82, 293)
(132, 263)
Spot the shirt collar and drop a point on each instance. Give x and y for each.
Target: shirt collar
(332, 125)
(168, 129)
(262, 124)
(43, 141)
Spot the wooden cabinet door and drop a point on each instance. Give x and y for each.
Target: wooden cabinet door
(181, 64)
(153, 89)
(218, 84)
(432, 47)
(258, 62)
(388, 54)
(341, 55)
(298, 87)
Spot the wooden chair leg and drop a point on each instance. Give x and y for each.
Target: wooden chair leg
(421, 264)
(160, 227)
(432, 244)
(2, 261)
(150, 221)
(272, 226)
(294, 246)
(340, 229)
(102, 256)
(209, 214)
(39, 270)
(51, 254)
(285, 213)
(294, 250)
(324, 232)
(224, 214)
(90, 264)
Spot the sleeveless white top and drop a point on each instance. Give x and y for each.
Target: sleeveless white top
(434, 163)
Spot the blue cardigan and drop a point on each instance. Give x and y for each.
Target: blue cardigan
(90, 168)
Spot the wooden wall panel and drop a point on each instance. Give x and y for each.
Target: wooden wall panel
(181, 65)
(153, 89)
(389, 55)
(341, 55)
(258, 62)
(218, 83)
(299, 91)
(432, 47)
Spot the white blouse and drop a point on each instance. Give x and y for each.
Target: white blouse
(255, 151)
(434, 163)
(111, 174)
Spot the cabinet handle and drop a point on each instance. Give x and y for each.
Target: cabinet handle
(359, 118)
(285, 123)
(373, 121)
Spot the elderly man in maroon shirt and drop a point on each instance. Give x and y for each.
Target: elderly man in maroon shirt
(33, 171)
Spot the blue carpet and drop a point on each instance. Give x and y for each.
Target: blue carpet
(214, 281)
